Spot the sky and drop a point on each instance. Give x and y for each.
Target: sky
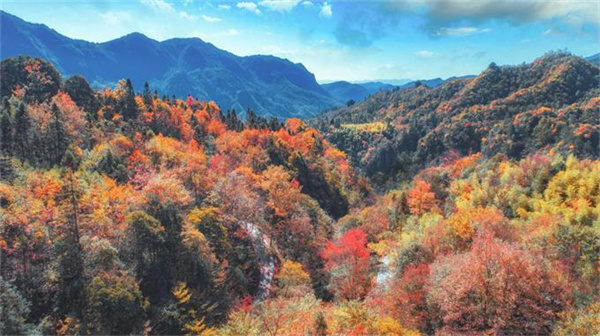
(343, 39)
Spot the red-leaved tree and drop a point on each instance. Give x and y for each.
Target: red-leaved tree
(347, 260)
(497, 287)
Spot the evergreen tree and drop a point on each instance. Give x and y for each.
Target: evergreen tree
(14, 309)
(83, 95)
(126, 100)
(57, 137)
(22, 128)
(200, 134)
(147, 96)
(5, 129)
(252, 119)
(71, 293)
(112, 166)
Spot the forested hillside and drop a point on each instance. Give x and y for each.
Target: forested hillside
(515, 110)
(133, 213)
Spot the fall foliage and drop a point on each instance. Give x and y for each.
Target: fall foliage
(130, 213)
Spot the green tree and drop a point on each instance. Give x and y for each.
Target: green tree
(147, 96)
(148, 252)
(22, 127)
(14, 310)
(57, 136)
(78, 88)
(115, 305)
(126, 100)
(6, 128)
(208, 222)
(112, 166)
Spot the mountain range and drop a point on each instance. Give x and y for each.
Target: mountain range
(594, 59)
(269, 85)
(508, 110)
(346, 92)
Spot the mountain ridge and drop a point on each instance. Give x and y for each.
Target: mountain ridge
(554, 99)
(269, 85)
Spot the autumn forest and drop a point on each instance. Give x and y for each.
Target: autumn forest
(472, 207)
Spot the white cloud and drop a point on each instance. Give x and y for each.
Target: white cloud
(159, 5)
(210, 19)
(426, 54)
(188, 16)
(326, 10)
(279, 5)
(224, 7)
(554, 31)
(229, 32)
(307, 3)
(115, 18)
(514, 11)
(461, 31)
(250, 6)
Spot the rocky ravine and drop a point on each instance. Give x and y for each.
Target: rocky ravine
(266, 259)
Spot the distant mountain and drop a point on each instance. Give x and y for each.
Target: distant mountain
(269, 85)
(431, 83)
(373, 87)
(344, 91)
(392, 82)
(594, 59)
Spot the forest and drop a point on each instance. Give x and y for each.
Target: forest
(514, 110)
(469, 208)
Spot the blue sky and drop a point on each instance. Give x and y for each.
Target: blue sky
(343, 39)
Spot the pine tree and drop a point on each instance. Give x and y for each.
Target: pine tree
(147, 95)
(57, 136)
(200, 133)
(71, 295)
(252, 119)
(5, 129)
(126, 100)
(22, 127)
(14, 310)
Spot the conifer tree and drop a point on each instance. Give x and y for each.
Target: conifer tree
(57, 137)
(5, 129)
(126, 100)
(22, 128)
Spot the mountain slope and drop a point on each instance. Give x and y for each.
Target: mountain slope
(345, 91)
(269, 85)
(594, 59)
(512, 110)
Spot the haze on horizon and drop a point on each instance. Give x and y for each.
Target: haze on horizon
(343, 40)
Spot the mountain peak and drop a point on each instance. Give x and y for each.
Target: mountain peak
(269, 85)
(133, 40)
(137, 36)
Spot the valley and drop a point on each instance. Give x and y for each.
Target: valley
(134, 199)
